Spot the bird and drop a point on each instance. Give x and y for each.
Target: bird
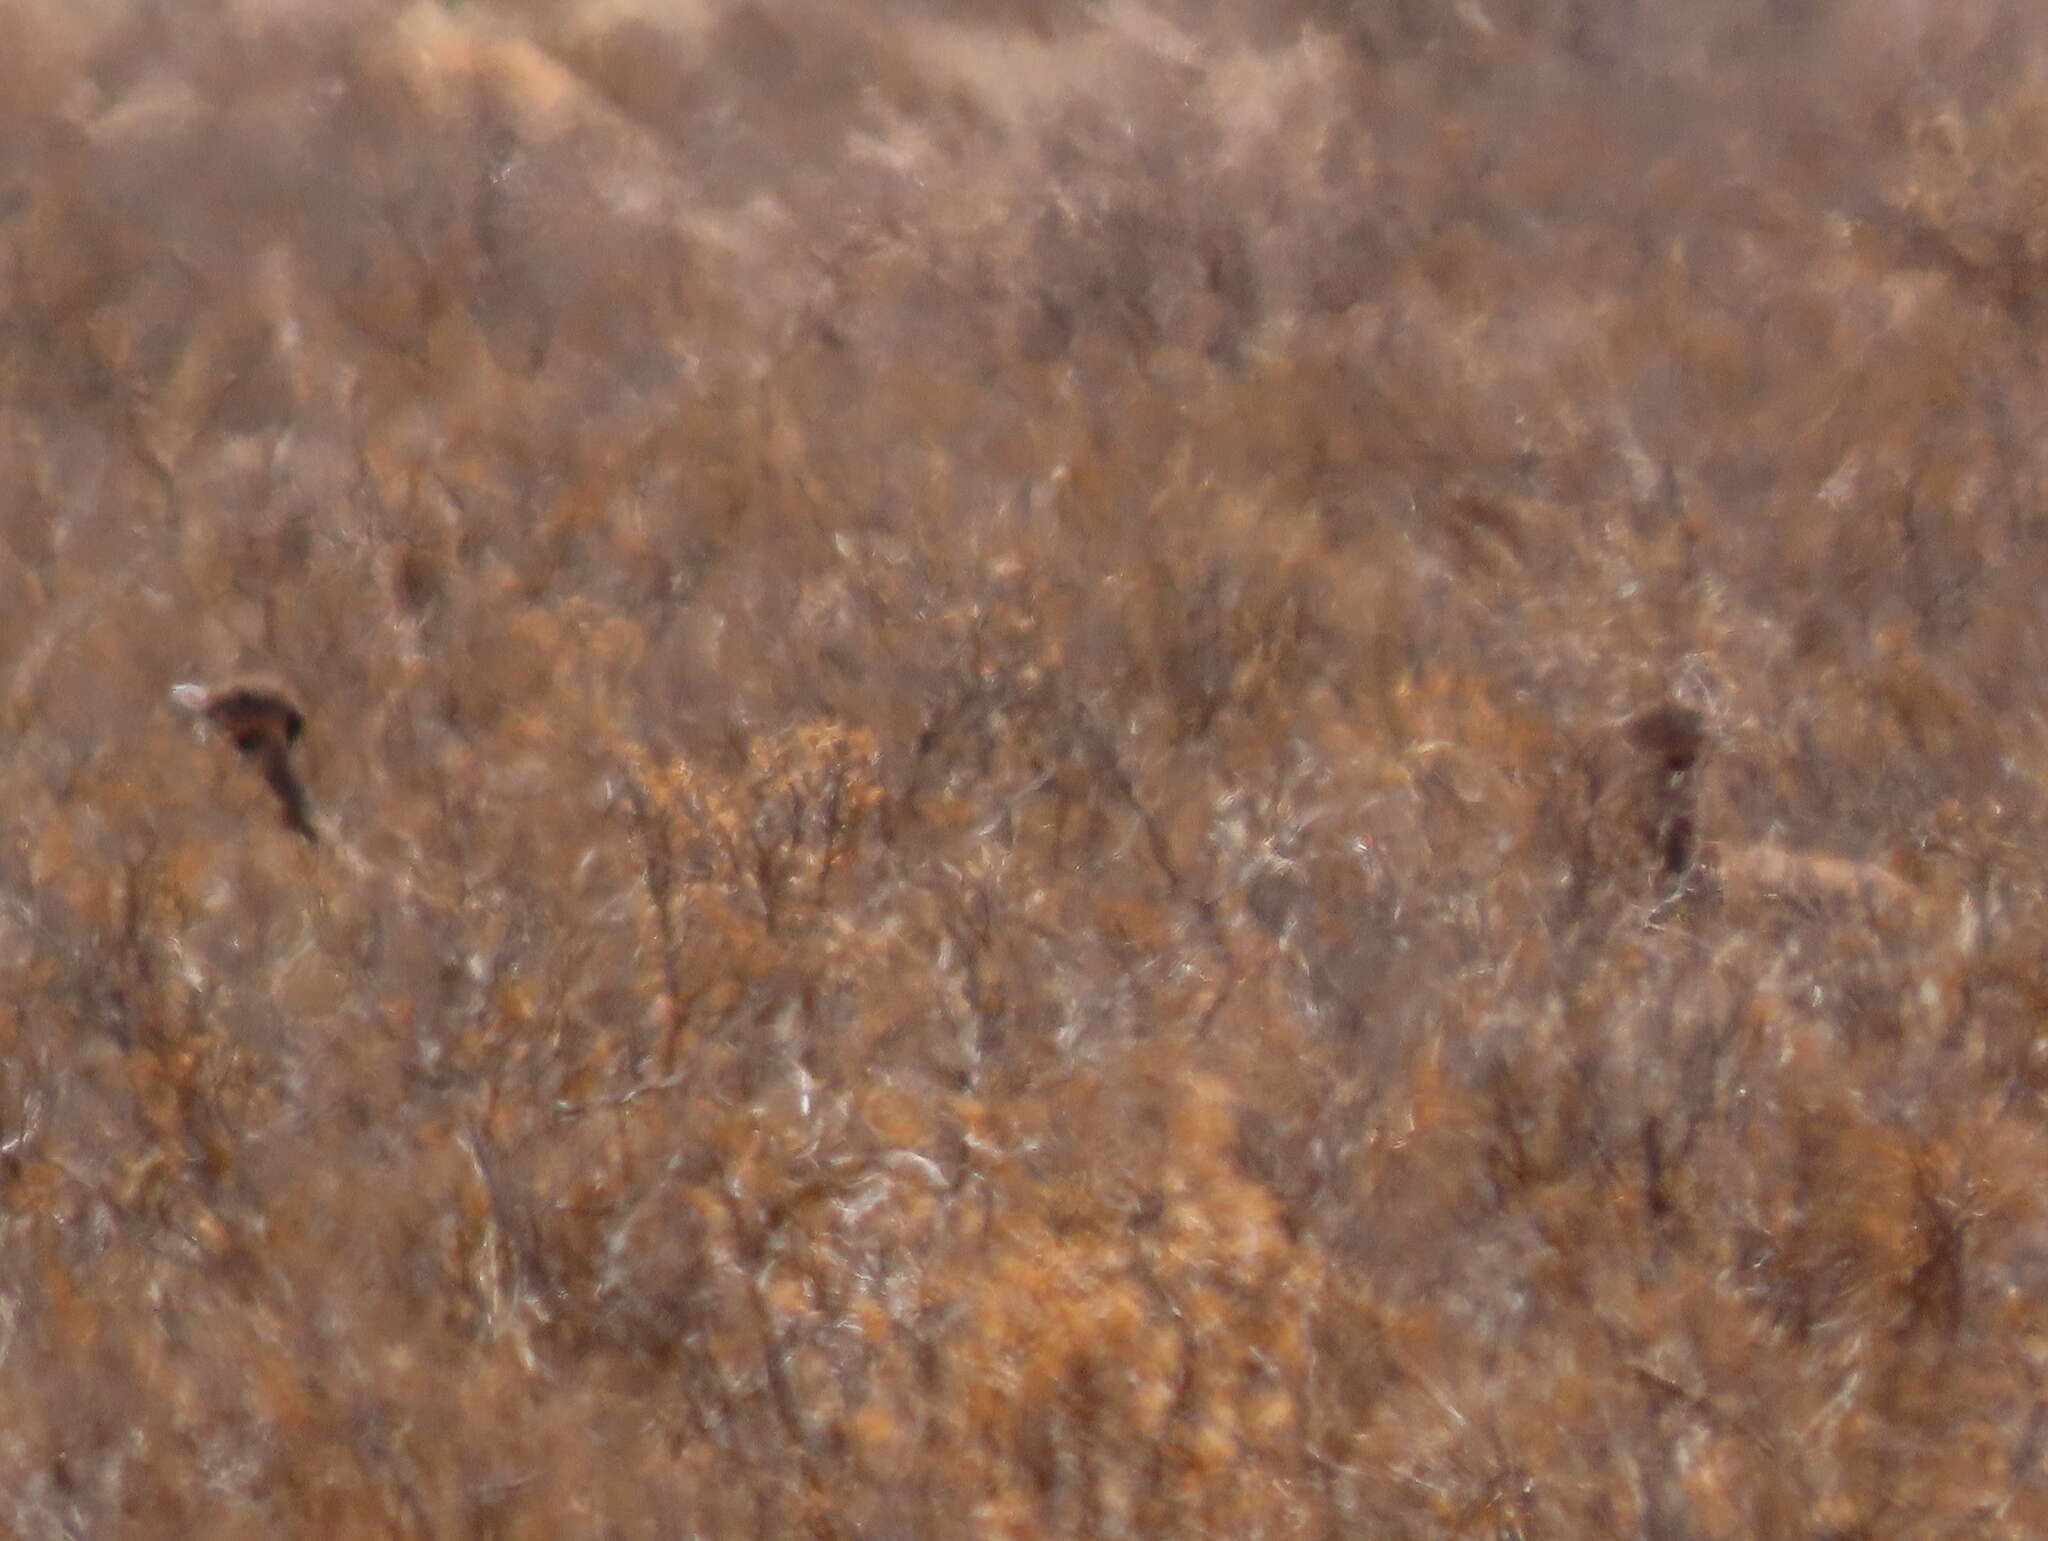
(262, 721)
(1673, 736)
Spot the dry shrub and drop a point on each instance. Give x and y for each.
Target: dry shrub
(1127, 770)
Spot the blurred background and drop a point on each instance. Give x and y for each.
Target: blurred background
(983, 690)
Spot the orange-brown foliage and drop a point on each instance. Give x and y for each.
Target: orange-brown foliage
(1002, 701)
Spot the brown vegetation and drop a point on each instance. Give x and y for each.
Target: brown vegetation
(1129, 769)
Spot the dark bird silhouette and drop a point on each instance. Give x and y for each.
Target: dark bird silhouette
(1673, 736)
(263, 723)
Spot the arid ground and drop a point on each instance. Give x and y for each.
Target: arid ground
(1083, 768)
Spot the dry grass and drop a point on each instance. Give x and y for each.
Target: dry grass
(991, 862)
